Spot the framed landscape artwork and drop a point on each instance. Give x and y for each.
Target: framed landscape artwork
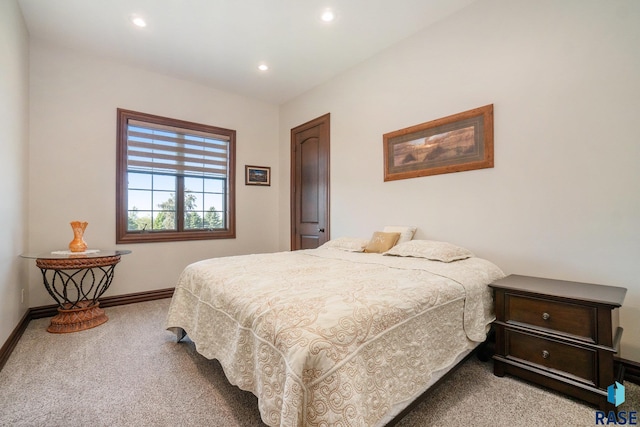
(456, 143)
(257, 175)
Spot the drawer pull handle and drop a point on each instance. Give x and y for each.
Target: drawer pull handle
(545, 354)
(546, 316)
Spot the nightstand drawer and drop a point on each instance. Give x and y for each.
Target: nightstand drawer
(576, 320)
(577, 362)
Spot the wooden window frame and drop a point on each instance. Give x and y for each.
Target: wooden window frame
(123, 235)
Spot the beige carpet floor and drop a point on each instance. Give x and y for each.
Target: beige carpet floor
(131, 372)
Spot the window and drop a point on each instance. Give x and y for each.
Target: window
(175, 180)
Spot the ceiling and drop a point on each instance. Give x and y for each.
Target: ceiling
(220, 43)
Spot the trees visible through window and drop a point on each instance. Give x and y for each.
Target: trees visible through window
(175, 180)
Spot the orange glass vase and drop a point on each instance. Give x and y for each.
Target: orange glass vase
(78, 244)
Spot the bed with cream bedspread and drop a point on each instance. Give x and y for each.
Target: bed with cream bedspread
(327, 337)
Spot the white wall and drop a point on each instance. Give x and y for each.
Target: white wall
(73, 152)
(563, 200)
(14, 134)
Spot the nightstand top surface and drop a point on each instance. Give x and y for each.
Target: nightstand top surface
(609, 295)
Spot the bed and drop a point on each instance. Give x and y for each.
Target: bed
(335, 336)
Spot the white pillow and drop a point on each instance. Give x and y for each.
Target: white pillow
(430, 249)
(406, 232)
(349, 244)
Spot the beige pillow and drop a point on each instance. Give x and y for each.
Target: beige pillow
(381, 242)
(430, 249)
(349, 244)
(406, 232)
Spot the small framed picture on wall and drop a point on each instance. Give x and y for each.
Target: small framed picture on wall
(257, 175)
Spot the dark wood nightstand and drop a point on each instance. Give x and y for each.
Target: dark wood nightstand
(558, 334)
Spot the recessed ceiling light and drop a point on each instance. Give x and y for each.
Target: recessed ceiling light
(263, 67)
(138, 21)
(328, 15)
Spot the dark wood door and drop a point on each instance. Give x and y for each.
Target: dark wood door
(310, 184)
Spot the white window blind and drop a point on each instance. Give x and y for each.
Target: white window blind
(155, 148)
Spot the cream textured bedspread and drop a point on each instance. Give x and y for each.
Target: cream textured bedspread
(326, 337)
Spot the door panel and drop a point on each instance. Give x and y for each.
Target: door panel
(309, 158)
(310, 184)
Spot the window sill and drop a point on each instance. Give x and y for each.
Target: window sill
(173, 236)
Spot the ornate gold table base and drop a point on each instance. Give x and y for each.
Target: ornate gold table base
(85, 316)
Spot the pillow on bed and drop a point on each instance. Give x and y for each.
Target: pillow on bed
(349, 244)
(406, 232)
(430, 249)
(381, 242)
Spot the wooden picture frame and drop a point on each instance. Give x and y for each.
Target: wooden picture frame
(456, 143)
(257, 175)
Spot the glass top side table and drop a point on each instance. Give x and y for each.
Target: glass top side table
(76, 281)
